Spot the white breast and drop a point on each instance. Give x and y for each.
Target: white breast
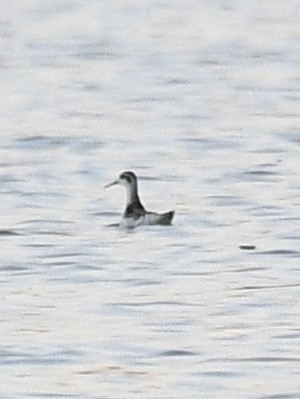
(131, 223)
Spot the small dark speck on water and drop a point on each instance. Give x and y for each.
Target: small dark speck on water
(177, 353)
(8, 233)
(247, 247)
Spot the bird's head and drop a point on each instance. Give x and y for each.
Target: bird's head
(127, 179)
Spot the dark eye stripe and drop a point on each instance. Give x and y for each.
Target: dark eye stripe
(125, 176)
(129, 176)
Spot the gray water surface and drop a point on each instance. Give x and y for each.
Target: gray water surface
(201, 100)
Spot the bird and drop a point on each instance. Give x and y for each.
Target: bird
(135, 214)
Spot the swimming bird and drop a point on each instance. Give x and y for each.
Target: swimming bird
(135, 214)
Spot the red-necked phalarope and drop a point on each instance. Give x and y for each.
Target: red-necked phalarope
(135, 214)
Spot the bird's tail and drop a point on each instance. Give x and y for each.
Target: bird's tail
(166, 218)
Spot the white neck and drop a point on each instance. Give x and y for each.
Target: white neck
(131, 191)
(131, 194)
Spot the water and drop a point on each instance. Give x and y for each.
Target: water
(201, 100)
